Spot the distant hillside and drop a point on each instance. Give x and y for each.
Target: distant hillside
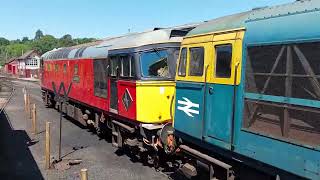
(42, 43)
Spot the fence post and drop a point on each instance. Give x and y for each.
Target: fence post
(84, 174)
(25, 101)
(28, 104)
(34, 119)
(47, 153)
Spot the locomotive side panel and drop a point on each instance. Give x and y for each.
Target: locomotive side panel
(127, 99)
(80, 74)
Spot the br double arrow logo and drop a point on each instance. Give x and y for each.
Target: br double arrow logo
(188, 107)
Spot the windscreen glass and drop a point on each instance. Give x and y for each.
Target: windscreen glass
(154, 64)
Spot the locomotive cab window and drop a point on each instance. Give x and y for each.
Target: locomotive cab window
(100, 77)
(182, 62)
(196, 61)
(132, 72)
(127, 66)
(114, 66)
(154, 64)
(223, 61)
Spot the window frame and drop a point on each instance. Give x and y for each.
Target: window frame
(203, 60)
(110, 60)
(98, 91)
(185, 62)
(207, 46)
(216, 60)
(152, 51)
(235, 60)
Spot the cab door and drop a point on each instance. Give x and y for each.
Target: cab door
(223, 77)
(190, 87)
(113, 81)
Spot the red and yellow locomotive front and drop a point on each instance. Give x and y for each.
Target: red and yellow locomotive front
(130, 78)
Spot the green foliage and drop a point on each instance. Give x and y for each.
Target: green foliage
(25, 39)
(4, 41)
(39, 35)
(15, 50)
(44, 44)
(66, 41)
(41, 43)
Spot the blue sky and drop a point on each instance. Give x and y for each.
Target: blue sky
(103, 18)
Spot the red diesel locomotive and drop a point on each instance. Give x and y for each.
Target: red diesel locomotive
(123, 83)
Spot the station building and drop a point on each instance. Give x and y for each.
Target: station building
(25, 66)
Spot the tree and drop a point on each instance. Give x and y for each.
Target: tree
(46, 43)
(66, 41)
(39, 34)
(25, 39)
(4, 41)
(16, 50)
(84, 40)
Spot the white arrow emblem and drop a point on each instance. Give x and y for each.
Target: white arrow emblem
(188, 105)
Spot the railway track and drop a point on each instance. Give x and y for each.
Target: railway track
(6, 92)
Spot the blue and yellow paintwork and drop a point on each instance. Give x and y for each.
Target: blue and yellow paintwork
(211, 127)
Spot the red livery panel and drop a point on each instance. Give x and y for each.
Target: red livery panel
(127, 99)
(80, 74)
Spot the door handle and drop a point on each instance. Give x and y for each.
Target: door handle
(210, 90)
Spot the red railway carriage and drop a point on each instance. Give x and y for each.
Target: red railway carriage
(125, 83)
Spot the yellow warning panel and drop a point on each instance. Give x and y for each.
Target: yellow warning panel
(154, 101)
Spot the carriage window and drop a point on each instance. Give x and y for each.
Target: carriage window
(155, 64)
(100, 77)
(182, 63)
(223, 61)
(196, 61)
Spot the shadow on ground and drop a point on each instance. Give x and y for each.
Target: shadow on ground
(16, 160)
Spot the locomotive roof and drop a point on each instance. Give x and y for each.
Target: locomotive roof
(241, 20)
(220, 24)
(99, 49)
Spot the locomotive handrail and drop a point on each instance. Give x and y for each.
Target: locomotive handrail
(204, 99)
(234, 105)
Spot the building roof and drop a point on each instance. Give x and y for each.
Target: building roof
(27, 54)
(10, 60)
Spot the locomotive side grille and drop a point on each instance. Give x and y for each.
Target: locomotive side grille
(282, 96)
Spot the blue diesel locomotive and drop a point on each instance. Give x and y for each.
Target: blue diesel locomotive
(248, 91)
